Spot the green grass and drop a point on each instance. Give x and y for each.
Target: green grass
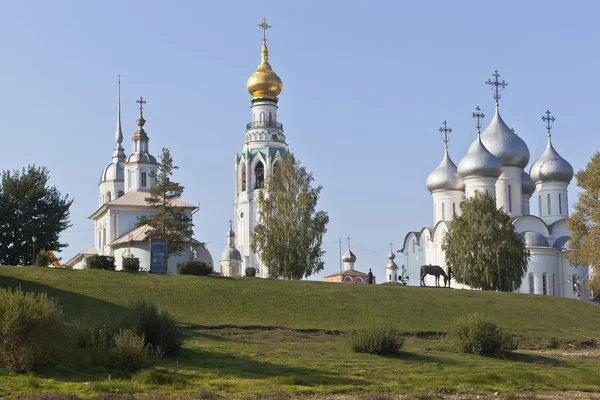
(230, 352)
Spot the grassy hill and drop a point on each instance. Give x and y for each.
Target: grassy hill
(212, 301)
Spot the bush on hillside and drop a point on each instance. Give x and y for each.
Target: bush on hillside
(32, 330)
(198, 268)
(130, 351)
(384, 341)
(250, 272)
(43, 259)
(131, 264)
(478, 334)
(158, 327)
(100, 262)
(98, 338)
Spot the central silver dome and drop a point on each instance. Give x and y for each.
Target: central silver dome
(551, 167)
(534, 239)
(502, 142)
(479, 162)
(527, 185)
(349, 257)
(445, 176)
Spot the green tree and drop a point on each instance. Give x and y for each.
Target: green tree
(482, 247)
(169, 221)
(30, 207)
(289, 232)
(584, 223)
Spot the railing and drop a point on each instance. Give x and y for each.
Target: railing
(264, 124)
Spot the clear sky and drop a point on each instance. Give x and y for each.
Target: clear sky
(366, 87)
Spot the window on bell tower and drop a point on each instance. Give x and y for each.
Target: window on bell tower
(144, 179)
(259, 173)
(243, 177)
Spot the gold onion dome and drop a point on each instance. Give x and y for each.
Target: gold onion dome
(264, 83)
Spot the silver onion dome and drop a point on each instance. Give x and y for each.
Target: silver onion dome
(534, 239)
(348, 256)
(527, 185)
(445, 176)
(391, 264)
(479, 162)
(502, 142)
(231, 253)
(113, 172)
(551, 167)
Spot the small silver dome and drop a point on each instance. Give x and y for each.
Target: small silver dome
(202, 254)
(391, 264)
(562, 243)
(479, 162)
(445, 176)
(551, 167)
(527, 185)
(348, 256)
(113, 172)
(534, 239)
(391, 256)
(231, 254)
(502, 142)
(142, 158)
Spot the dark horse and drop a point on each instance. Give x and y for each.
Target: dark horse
(436, 271)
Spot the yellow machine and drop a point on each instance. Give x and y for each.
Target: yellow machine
(54, 260)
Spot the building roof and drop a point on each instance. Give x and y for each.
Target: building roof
(479, 162)
(349, 272)
(551, 167)
(445, 176)
(503, 143)
(88, 252)
(136, 198)
(136, 235)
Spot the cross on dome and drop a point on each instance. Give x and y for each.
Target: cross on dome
(230, 224)
(478, 115)
(348, 241)
(141, 102)
(497, 86)
(445, 131)
(264, 27)
(548, 120)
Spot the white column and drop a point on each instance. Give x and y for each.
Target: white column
(509, 192)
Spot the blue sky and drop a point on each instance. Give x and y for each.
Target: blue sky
(366, 87)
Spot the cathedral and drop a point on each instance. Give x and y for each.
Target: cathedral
(496, 163)
(124, 185)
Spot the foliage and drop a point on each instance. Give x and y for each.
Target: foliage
(289, 232)
(158, 327)
(198, 268)
(482, 247)
(131, 352)
(250, 272)
(169, 221)
(97, 338)
(477, 334)
(43, 258)
(584, 222)
(383, 341)
(100, 262)
(30, 207)
(131, 264)
(32, 330)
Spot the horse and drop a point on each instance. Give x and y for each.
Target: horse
(436, 271)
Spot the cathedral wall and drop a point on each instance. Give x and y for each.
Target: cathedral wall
(553, 202)
(446, 203)
(480, 184)
(543, 260)
(509, 192)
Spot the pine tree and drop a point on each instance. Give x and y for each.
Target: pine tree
(584, 223)
(289, 232)
(482, 247)
(169, 222)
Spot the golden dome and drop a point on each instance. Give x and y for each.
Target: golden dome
(264, 83)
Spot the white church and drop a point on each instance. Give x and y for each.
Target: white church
(124, 185)
(496, 163)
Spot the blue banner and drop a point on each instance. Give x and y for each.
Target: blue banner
(158, 256)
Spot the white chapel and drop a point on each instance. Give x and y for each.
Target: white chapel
(496, 163)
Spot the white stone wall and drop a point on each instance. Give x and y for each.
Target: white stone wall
(553, 201)
(509, 192)
(480, 184)
(445, 204)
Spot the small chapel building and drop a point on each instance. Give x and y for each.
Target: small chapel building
(349, 274)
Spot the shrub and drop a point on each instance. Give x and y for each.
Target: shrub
(197, 268)
(129, 351)
(131, 264)
(159, 328)
(32, 330)
(384, 341)
(250, 272)
(477, 334)
(99, 339)
(43, 259)
(100, 262)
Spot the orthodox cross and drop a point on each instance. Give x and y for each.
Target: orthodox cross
(264, 27)
(348, 241)
(497, 86)
(391, 246)
(445, 131)
(141, 102)
(478, 115)
(230, 224)
(549, 120)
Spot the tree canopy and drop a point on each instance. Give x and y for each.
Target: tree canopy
(482, 247)
(289, 232)
(169, 221)
(584, 222)
(30, 207)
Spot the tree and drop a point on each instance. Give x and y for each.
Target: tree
(169, 221)
(289, 232)
(30, 207)
(584, 223)
(482, 247)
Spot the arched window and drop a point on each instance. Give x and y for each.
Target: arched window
(559, 203)
(243, 176)
(390, 277)
(540, 205)
(274, 167)
(531, 283)
(270, 117)
(259, 173)
(544, 284)
(509, 198)
(549, 205)
(553, 285)
(454, 209)
(443, 211)
(414, 247)
(108, 198)
(262, 117)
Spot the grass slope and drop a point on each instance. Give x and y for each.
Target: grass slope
(210, 301)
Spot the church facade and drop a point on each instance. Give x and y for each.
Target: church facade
(496, 163)
(124, 185)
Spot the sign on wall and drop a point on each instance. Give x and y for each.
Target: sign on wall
(158, 256)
